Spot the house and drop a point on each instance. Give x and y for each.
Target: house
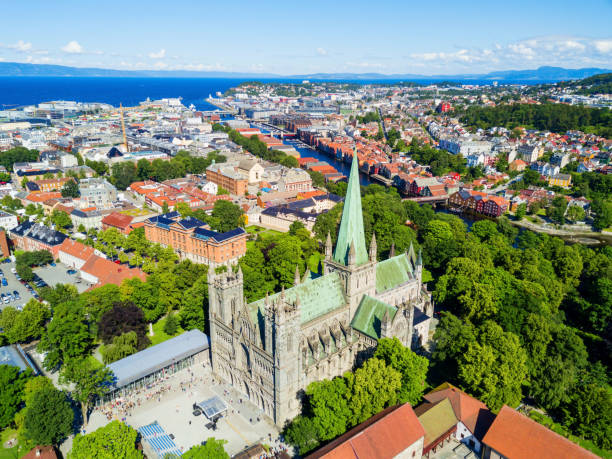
(8, 221)
(562, 180)
(251, 169)
(514, 436)
(99, 271)
(439, 422)
(4, 248)
(394, 432)
(41, 452)
(119, 221)
(30, 236)
(530, 153)
(74, 254)
(473, 417)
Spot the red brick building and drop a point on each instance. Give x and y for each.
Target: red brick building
(192, 239)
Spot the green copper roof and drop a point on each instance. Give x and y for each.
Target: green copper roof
(392, 272)
(370, 314)
(351, 225)
(437, 420)
(317, 297)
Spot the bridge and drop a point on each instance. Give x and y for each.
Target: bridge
(384, 180)
(429, 199)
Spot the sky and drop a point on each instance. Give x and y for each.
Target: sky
(288, 37)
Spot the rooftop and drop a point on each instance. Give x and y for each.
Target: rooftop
(154, 358)
(515, 436)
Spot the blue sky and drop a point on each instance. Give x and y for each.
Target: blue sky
(290, 37)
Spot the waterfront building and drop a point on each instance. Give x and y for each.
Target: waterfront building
(271, 349)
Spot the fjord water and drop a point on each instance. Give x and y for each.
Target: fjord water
(21, 90)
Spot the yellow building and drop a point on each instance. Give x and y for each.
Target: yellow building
(562, 180)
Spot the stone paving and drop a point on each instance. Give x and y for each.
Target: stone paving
(242, 426)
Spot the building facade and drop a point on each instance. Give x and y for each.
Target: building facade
(273, 348)
(97, 192)
(192, 239)
(8, 221)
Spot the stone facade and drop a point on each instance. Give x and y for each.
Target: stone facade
(273, 348)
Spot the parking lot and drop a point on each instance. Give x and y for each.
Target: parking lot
(13, 285)
(58, 274)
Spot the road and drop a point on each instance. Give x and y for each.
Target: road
(506, 185)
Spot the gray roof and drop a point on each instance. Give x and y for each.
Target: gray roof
(154, 358)
(16, 357)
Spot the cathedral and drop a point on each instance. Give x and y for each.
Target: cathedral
(273, 348)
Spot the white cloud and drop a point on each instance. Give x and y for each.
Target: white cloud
(159, 55)
(160, 65)
(562, 51)
(21, 46)
(73, 47)
(603, 46)
(321, 52)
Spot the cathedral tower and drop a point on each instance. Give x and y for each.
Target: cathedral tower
(350, 259)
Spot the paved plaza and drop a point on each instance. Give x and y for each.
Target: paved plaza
(170, 404)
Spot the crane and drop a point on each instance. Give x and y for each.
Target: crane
(125, 142)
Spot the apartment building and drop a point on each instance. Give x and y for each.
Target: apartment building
(228, 177)
(97, 192)
(193, 239)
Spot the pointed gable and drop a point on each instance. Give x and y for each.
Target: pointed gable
(351, 225)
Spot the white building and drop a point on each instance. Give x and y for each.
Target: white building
(8, 221)
(97, 192)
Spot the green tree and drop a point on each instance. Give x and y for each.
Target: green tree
(192, 313)
(68, 335)
(603, 213)
(411, 367)
(121, 346)
(171, 325)
(71, 189)
(575, 214)
(302, 433)
(23, 326)
(114, 440)
(556, 211)
(48, 417)
(494, 367)
(521, 211)
(61, 219)
(124, 174)
(211, 449)
(226, 216)
(12, 383)
(373, 387)
(90, 381)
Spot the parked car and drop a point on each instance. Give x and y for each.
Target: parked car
(71, 272)
(52, 263)
(4, 298)
(16, 295)
(4, 282)
(1, 273)
(13, 270)
(9, 296)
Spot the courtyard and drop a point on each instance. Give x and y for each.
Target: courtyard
(169, 402)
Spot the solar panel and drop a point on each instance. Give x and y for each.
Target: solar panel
(212, 407)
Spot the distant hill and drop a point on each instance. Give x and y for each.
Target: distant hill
(540, 74)
(597, 84)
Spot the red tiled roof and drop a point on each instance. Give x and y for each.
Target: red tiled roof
(384, 435)
(108, 272)
(474, 414)
(515, 436)
(76, 249)
(44, 452)
(117, 220)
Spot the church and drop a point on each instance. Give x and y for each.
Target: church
(273, 348)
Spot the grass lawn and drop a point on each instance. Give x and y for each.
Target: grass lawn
(159, 335)
(10, 453)
(253, 229)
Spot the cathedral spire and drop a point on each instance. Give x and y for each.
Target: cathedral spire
(351, 254)
(351, 225)
(296, 278)
(328, 247)
(373, 248)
